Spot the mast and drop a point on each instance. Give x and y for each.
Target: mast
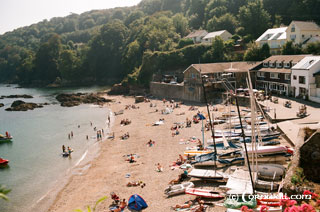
(210, 121)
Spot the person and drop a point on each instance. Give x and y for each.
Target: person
(182, 158)
(63, 148)
(108, 119)
(117, 209)
(187, 205)
(69, 151)
(87, 137)
(90, 123)
(7, 134)
(78, 126)
(115, 198)
(71, 134)
(131, 159)
(200, 145)
(159, 168)
(123, 204)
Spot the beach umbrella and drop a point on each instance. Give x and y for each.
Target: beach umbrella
(201, 116)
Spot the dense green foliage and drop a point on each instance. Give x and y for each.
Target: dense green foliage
(132, 43)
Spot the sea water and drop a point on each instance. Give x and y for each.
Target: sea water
(36, 166)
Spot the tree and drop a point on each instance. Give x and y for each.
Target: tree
(312, 48)
(181, 24)
(254, 18)
(68, 64)
(218, 49)
(290, 49)
(46, 60)
(255, 53)
(132, 57)
(226, 22)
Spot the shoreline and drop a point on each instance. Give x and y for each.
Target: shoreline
(108, 170)
(81, 167)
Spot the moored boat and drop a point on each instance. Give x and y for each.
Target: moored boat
(4, 162)
(204, 193)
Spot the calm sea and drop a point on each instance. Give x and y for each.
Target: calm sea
(36, 167)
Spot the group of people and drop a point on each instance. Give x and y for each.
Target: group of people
(100, 134)
(150, 143)
(125, 122)
(134, 184)
(120, 205)
(125, 136)
(128, 107)
(69, 150)
(70, 135)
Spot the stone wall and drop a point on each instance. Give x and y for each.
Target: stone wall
(310, 158)
(165, 90)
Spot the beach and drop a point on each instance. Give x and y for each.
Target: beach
(108, 171)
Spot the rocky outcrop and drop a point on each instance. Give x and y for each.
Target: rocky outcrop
(1, 104)
(70, 100)
(25, 96)
(118, 89)
(19, 105)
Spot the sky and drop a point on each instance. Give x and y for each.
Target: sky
(19, 13)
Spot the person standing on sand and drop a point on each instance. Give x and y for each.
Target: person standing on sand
(63, 148)
(71, 134)
(109, 119)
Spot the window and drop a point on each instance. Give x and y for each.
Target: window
(273, 86)
(293, 37)
(294, 77)
(261, 74)
(293, 28)
(265, 65)
(287, 65)
(272, 65)
(287, 76)
(193, 76)
(279, 65)
(274, 75)
(302, 80)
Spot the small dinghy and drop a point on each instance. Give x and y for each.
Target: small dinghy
(3, 162)
(178, 189)
(266, 185)
(204, 193)
(270, 171)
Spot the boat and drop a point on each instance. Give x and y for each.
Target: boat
(221, 162)
(266, 185)
(266, 150)
(4, 162)
(205, 157)
(196, 152)
(204, 193)
(178, 189)
(118, 113)
(270, 171)
(5, 138)
(207, 174)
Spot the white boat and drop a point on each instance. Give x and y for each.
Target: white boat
(178, 189)
(207, 174)
(266, 150)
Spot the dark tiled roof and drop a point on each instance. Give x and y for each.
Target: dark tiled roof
(207, 68)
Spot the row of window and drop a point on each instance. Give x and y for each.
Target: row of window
(302, 79)
(273, 75)
(278, 65)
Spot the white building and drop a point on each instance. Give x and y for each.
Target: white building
(301, 31)
(275, 38)
(223, 34)
(197, 35)
(303, 78)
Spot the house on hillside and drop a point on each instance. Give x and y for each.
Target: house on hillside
(275, 38)
(197, 35)
(223, 34)
(305, 78)
(301, 31)
(275, 74)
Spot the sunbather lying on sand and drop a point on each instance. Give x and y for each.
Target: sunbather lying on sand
(134, 184)
(188, 205)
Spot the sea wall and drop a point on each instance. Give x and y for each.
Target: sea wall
(165, 90)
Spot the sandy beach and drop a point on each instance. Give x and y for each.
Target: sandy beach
(107, 172)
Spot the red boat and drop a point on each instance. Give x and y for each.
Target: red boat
(3, 161)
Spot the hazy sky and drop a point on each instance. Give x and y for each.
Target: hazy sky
(18, 13)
